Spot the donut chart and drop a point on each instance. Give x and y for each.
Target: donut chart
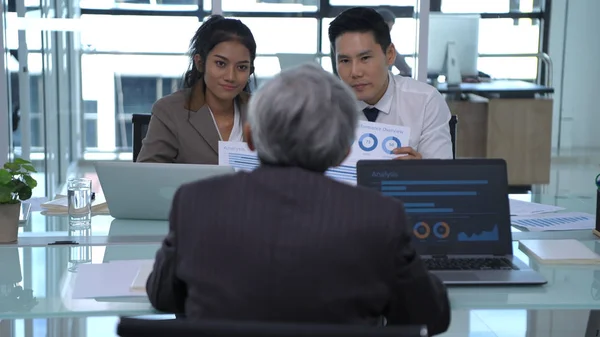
(390, 143)
(441, 230)
(367, 142)
(421, 230)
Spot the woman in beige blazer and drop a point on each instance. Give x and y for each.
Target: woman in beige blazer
(187, 125)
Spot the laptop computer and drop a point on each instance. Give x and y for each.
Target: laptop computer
(459, 214)
(144, 191)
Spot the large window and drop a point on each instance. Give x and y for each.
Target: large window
(134, 51)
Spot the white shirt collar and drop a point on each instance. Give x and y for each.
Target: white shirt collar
(385, 103)
(237, 131)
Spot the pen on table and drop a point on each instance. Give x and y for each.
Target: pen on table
(66, 242)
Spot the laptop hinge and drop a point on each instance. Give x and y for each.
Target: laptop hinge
(439, 256)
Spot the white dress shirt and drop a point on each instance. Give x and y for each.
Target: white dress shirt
(237, 134)
(420, 107)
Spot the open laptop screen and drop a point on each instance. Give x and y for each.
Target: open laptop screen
(453, 206)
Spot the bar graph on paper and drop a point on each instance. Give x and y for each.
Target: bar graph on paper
(555, 221)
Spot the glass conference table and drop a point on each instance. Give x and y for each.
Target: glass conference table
(48, 274)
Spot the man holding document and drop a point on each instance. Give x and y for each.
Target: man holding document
(363, 52)
(285, 243)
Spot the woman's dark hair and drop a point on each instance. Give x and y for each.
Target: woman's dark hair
(215, 30)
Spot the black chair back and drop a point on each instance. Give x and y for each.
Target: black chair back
(140, 127)
(453, 122)
(133, 327)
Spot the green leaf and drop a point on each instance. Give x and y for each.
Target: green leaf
(5, 194)
(24, 192)
(30, 181)
(20, 161)
(12, 167)
(29, 168)
(5, 177)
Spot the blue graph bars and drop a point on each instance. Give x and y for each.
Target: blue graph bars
(549, 222)
(434, 182)
(483, 236)
(248, 162)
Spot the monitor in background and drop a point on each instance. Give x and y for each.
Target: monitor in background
(287, 61)
(453, 46)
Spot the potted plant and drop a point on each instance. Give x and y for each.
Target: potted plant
(16, 185)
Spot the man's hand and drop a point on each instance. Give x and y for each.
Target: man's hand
(409, 153)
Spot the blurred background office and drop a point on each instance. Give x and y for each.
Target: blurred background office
(77, 70)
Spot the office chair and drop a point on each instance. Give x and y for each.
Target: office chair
(453, 122)
(140, 127)
(133, 327)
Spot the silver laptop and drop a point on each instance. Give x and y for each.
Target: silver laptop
(459, 214)
(144, 191)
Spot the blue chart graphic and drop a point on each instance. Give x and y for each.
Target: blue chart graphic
(390, 143)
(343, 173)
(483, 236)
(244, 162)
(367, 142)
(550, 222)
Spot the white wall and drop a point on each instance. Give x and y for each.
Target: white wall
(575, 49)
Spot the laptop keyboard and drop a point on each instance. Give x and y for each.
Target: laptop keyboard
(469, 264)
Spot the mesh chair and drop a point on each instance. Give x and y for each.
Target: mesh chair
(140, 127)
(453, 122)
(132, 327)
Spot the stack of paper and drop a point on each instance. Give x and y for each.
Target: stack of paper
(519, 207)
(555, 221)
(567, 251)
(112, 279)
(60, 206)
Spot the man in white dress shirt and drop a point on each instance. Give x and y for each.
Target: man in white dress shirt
(364, 52)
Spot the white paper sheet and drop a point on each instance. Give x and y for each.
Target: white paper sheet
(519, 207)
(373, 141)
(103, 280)
(555, 221)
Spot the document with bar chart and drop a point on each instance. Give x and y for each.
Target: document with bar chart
(555, 221)
(373, 141)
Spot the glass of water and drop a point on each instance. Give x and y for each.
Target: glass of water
(79, 193)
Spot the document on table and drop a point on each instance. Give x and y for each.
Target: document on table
(373, 141)
(555, 221)
(112, 279)
(519, 207)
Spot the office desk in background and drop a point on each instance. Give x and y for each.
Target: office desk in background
(505, 119)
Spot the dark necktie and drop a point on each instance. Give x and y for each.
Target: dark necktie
(371, 113)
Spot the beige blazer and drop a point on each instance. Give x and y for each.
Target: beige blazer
(178, 134)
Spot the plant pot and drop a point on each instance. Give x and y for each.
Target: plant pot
(9, 222)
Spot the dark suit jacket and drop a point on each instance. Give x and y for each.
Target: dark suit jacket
(288, 245)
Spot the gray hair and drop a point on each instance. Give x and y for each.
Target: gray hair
(304, 117)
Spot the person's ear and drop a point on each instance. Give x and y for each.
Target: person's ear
(248, 137)
(199, 63)
(390, 54)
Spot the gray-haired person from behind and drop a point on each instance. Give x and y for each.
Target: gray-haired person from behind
(284, 242)
(303, 117)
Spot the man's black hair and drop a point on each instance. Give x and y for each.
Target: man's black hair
(360, 20)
